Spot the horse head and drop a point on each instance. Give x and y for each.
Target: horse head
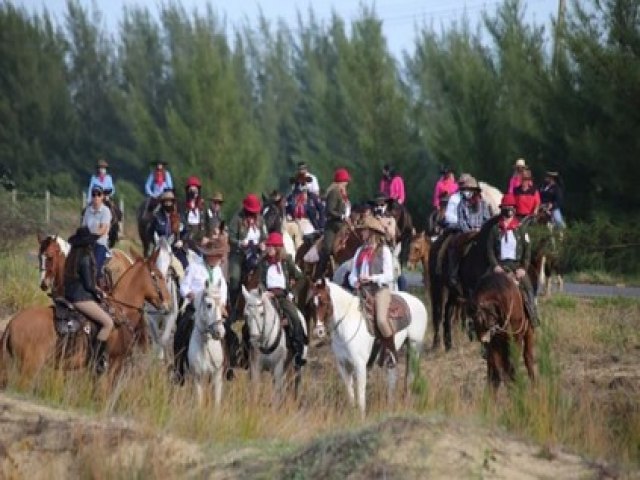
(164, 254)
(418, 249)
(52, 253)
(260, 315)
(208, 307)
(323, 307)
(143, 279)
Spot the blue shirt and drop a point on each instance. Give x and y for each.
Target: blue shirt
(154, 190)
(106, 184)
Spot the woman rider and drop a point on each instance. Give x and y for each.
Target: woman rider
(81, 291)
(338, 210)
(509, 251)
(276, 272)
(373, 271)
(101, 179)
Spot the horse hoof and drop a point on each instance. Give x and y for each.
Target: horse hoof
(230, 375)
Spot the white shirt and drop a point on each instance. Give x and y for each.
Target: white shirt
(382, 279)
(313, 186)
(93, 219)
(197, 274)
(253, 235)
(508, 245)
(275, 278)
(451, 213)
(193, 217)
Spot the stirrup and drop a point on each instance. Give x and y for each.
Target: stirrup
(391, 361)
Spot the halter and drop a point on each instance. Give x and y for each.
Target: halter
(210, 330)
(266, 349)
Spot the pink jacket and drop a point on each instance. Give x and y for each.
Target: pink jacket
(444, 185)
(384, 186)
(514, 182)
(396, 189)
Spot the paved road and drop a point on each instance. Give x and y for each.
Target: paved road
(576, 289)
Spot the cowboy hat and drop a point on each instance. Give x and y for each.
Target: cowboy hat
(463, 178)
(275, 196)
(371, 223)
(302, 167)
(552, 174)
(300, 177)
(212, 248)
(520, 163)
(508, 200)
(341, 175)
(159, 162)
(102, 163)
(167, 196)
(470, 183)
(217, 197)
(83, 237)
(380, 198)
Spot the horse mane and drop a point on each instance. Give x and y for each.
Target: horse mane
(63, 244)
(493, 282)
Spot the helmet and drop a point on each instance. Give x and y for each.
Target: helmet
(251, 203)
(508, 200)
(341, 175)
(275, 240)
(193, 181)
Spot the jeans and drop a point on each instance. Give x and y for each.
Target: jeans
(100, 252)
(558, 220)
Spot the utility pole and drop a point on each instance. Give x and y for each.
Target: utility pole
(562, 7)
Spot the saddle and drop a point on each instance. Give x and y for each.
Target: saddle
(68, 321)
(398, 315)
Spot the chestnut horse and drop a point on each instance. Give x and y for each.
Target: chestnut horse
(144, 216)
(30, 337)
(500, 320)
(419, 252)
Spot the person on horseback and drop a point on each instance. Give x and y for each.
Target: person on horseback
(552, 198)
(396, 187)
(516, 179)
(304, 208)
(274, 212)
(97, 218)
(247, 234)
(303, 178)
(196, 278)
(158, 181)
(451, 213)
(194, 213)
(473, 212)
(276, 272)
(101, 179)
(382, 212)
(214, 219)
(166, 222)
(81, 291)
(446, 185)
(373, 272)
(527, 197)
(338, 210)
(509, 251)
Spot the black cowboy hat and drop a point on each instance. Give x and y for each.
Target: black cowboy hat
(381, 198)
(446, 169)
(97, 188)
(159, 162)
(83, 237)
(552, 174)
(276, 196)
(302, 166)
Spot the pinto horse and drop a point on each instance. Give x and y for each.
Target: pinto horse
(500, 320)
(31, 339)
(52, 254)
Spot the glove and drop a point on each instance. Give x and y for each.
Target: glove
(520, 273)
(498, 269)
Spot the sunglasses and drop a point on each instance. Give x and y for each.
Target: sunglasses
(96, 194)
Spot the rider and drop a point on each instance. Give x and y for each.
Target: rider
(158, 180)
(552, 198)
(373, 271)
(446, 184)
(246, 232)
(338, 210)
(97, 218)
(385, 181)
(473, 212)
(102, 179)
(214, 218)
(509, 251)
(194, 212)
(276, 272)
(195, 280)
(388, 221)
(163, 225)
(303, 178)
(305, 208)
(274, 213)
(396, 187)
(527, 196)
(81, 291)
(516, 179)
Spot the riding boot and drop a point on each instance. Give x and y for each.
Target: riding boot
(321, 266)
(531, 308)
(391, 354)
(232, 343)
(101, 359)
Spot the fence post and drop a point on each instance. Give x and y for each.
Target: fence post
(122, 217)
(14, 196)
(47, 207)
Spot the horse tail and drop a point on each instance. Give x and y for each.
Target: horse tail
(5, 352)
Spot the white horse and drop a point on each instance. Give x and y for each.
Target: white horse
(206, 351)
(268, 341)
(289, 245)
(162, 323)
(492, 196)
(352, 343)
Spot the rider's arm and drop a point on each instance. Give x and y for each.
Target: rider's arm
(294, 271)
(105, 222)
(386, 277)
(87, 275)
(168, 181)
(234, 227)
(353, 274)
(526, 250)
(110, 185)
(463, 222)
(148, 184)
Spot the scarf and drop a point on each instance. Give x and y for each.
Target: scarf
(504, 227)
(194, 203)
(299, 211)
(158, 177)
(101, 177)
(274, 261)
(366, 254)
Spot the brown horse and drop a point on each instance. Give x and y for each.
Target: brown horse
(52, 254)
(500, 320)
(419, 252)
(144, 216)
(31, 340)
(345, 245)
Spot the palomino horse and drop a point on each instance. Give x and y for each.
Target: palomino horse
(52, 253)
(30, 337)
(492, 196)
(419, 252)
(352, 343)
(267, 338)
(500, 320)
(206, 353)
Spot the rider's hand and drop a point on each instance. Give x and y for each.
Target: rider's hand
(520, 273)
(498, 269)
(178, 244)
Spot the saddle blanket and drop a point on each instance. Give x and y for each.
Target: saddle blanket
(398, 315)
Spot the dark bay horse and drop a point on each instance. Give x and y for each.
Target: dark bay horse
(31, 341)
(144, 217)
(500, 321)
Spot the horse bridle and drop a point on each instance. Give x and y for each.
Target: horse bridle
(262, 331)
(211, 327)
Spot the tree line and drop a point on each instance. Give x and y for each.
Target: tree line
(239, 108)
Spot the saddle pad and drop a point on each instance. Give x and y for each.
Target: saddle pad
(398, 315)
(313, 255)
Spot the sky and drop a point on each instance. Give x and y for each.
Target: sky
(399, 16)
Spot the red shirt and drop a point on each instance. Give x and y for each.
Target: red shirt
(527, 200)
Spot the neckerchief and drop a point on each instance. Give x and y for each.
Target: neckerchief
(366, 254)
(274, 261)
(504, 227)
(158, 177)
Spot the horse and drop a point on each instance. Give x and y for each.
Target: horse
(52, 254)
(351, 342)
(206, 352)
(500, 320)
(267, 339)
(144, 217)
(546, 253)
(492, 196)
(32, 341)
(419, 252)
(163, 322)
(405, 229)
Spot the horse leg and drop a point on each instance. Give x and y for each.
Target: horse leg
(217, 386)
(199, 391)
(448, 314)
(278, 379)
(437, 318)
(494, 367)
(392, 377)
(361, 386)
(528, 353)
(347, 377)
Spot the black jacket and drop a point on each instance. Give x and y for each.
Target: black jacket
(82, 287)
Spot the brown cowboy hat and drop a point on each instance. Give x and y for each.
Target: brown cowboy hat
(168, 196)
(217, 197)
(102, 163)
(213, 248)
(300, 177)
(371, 223)
(463, 178)
(470, 183)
